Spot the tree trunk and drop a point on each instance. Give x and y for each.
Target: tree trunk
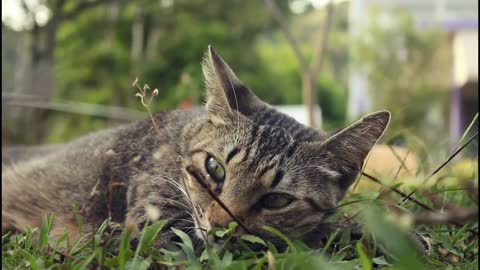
(137, 40)
(117, 97)
(309, 98)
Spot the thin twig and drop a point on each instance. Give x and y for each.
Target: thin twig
(399, 192)
(201, 180)
(308, 72)
(142, 94)
(278, 16)
(466, 131)
(323, 46)
(383, 193)
(472, 191)
(112, 112)
(457, 216)
(444, 164)
(437, 201)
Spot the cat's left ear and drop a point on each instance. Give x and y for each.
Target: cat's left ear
(226, 94)
(346, 150)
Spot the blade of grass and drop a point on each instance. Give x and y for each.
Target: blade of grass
(366, 261)
(281, 235)
(399, 192)
(330, 240)
(466, 132)
(31, 259)
(443, 164)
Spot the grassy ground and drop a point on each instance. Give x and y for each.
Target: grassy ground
(443, 209)
(386, 244)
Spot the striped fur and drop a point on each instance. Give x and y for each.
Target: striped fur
(125, 172)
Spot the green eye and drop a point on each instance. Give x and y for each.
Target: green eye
(215, 169)
(276, 200)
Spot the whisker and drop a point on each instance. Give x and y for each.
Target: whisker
(194, 213)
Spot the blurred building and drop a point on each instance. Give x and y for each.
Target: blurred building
(459, 18)
(299, 113)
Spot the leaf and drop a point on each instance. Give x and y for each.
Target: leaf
(31, 259)
(184, 237)
(227, 259)
(85, 263)
(125, 252)
(28, 238)
(79, 217)
(62, 238)
(152, 231)
(138, 264)
(272, 248)
(459, 234)
(330, 240)
(213, 259)
(281, 235)
(221, 232)
(366, 262)
(380, 261)
(253, 239)
(204, 256)
(187, 245)
(43, 238)
(395, 241)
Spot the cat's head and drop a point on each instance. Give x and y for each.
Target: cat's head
(265, 167)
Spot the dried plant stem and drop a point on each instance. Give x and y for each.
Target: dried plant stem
(438, 202)
(472, 191)
(444, 164)
(399, 192)
(155, 126)
(200, 179)
(457, 216)
(142, 94)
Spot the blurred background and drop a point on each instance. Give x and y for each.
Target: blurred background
(68, 66)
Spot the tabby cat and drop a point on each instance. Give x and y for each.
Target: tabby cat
(236, 160)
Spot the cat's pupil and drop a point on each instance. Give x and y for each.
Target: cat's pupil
(215, 169)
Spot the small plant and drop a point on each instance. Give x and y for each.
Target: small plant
(146, 99)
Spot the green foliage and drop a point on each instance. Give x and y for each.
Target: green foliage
(102, 49)
(280, 72)
(99, 54)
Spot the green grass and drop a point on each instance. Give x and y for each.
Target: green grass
(385, 245)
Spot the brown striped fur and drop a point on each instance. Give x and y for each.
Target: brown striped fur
(124, 171)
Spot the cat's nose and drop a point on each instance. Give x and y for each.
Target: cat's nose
(219, 218)
(220, 223)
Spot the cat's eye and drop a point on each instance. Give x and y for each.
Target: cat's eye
(275, 200)
(215, 169)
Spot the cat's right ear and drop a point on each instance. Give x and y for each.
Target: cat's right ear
(226, 94)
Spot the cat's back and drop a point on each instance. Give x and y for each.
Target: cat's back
(19, 153)
(54, 177)
(85, 154)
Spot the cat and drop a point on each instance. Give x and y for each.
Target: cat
(237, 159)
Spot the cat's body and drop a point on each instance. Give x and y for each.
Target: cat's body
(264, 166)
